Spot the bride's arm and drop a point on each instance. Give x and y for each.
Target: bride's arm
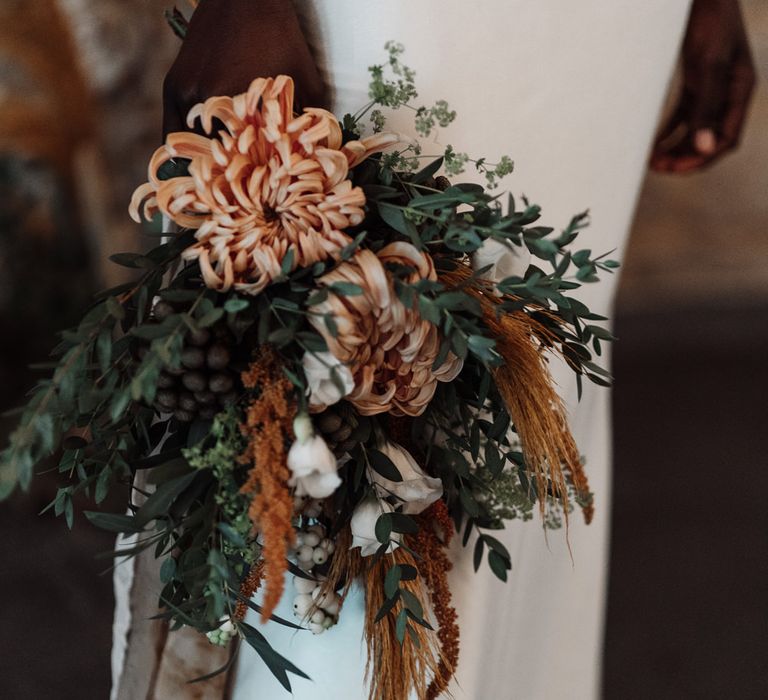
(231, 42)
(718, 81)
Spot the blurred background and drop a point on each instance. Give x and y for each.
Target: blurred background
(688, 594)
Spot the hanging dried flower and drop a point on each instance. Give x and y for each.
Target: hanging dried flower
(389, 348)
(267, 427)
(268, 185)
(435, 565)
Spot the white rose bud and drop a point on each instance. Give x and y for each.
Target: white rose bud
(328, 380)
(417, 490)
(363, 526)
(311, 462)
(505, 260)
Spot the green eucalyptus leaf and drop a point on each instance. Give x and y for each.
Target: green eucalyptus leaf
(385, 609)
(346, 289)
(167, 570)
(477, 556)
(113, 522)
(383, 528)
(277, 664)
(497, 546)
(412, 603)
(132, 260)
(427, 172)
(104, 349)
(498, 564)
(400, 624)
(395, 217)
(383, 465)
(392, 581)
(235, 305)
(403, 523)
(160, 501)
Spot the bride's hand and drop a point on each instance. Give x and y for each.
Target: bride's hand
(718, 79)
(231, 42)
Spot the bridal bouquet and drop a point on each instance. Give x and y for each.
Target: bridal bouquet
(334, 363)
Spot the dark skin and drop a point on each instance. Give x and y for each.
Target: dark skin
(718, 81)
(230, 42)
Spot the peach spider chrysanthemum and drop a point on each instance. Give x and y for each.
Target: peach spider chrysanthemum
(268, 183)
(389, 348)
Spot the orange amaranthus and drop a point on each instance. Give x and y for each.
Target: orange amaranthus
(267, 426)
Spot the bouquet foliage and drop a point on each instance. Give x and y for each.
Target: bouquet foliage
(336, 360)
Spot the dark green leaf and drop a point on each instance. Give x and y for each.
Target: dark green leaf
(427, 172)
(113, 522)
(346, 289)
(232, 535)
(403, 523)
(179, 295)
(317, 297)
(132, 260)
(412, 603)
(477, 556)
(383, 528)
(468, 503)
(387, 606)
(498, 564)
(383, 465)
(277, 664)
(104, 349)
(167, 569)
(115, 308)
(102, 484)
(493, 460)
(392, 581)
(497, 546)
(162, 498)
(395, 217)
(402, 619)
(235, 305)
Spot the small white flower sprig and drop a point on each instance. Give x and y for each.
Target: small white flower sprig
(399, 90)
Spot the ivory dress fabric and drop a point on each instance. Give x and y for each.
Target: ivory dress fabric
(572, 91)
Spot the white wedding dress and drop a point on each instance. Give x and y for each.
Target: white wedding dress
(572, 91)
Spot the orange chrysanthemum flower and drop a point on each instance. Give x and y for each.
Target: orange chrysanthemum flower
(387, 346)
(267, 184)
